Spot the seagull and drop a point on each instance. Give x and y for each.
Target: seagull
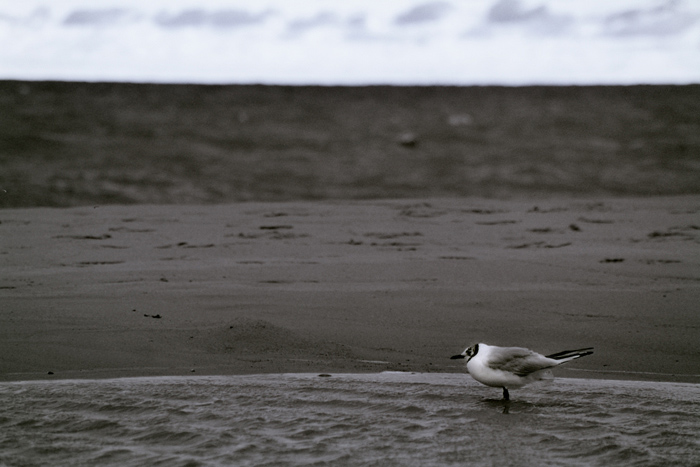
(513, 367)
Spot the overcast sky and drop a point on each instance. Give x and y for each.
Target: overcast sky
(465, 42)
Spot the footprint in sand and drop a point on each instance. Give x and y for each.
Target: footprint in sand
(503, 222)
(85, 237)
(539, 245)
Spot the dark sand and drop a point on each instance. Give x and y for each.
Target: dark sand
(363, 286)
(601, 248)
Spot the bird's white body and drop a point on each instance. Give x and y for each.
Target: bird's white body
(509, 367)
(513, 367)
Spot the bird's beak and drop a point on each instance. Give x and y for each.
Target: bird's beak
(455, 357)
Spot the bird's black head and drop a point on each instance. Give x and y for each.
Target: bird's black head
(468, 353)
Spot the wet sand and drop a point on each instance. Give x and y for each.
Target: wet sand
(351, 286)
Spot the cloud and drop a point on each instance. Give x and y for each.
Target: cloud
(539, 19)
(97, 17)
(321, 19)
(510, 11)
(40, 14)
(424, 13)
(665, 19)
(219, 18)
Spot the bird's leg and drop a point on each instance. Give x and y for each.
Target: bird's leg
(506, 396)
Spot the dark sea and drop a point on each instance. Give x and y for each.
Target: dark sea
(346, 419)
(68, 144)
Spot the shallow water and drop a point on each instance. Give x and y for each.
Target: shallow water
(351, 419)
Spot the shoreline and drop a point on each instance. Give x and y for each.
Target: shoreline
(123, 374)
(337, 286)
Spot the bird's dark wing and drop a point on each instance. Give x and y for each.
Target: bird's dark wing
(517, 360)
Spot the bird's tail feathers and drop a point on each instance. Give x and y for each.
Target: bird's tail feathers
(567, 355)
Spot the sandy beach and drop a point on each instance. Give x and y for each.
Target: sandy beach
(351, 286)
